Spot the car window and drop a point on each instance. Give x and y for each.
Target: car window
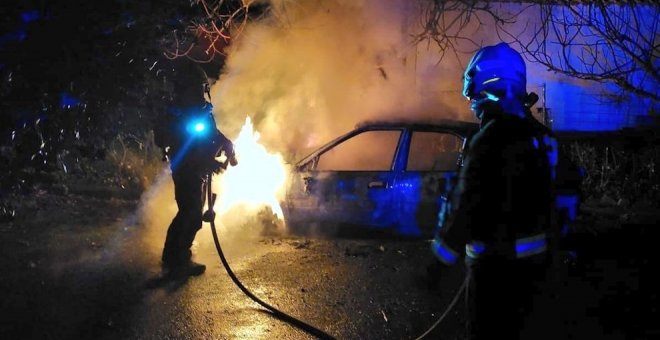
(433, 151)
(367, 151)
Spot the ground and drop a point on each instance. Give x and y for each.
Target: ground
(84, 264)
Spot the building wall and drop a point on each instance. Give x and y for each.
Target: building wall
(580, 107)
(573, 104)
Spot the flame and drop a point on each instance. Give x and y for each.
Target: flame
(258, 178)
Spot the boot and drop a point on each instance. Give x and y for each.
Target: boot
(188, 268)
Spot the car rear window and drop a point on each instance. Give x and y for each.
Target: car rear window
(433, 151)
(367, 151)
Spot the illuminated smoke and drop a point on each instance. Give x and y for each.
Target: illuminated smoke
(310, 72)
(316, 68)
(157, 209)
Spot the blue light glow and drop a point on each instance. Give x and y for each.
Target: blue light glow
(67, 100)
(474, 249)
(408, 190)
(199, 127)
(570, 203)
(30, 16)
(602, 105)
(524, 247)
(443, 252)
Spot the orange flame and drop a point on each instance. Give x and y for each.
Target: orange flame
(257, 180)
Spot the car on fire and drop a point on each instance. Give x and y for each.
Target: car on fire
(384, 176)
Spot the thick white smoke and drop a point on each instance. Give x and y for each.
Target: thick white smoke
(316, 68)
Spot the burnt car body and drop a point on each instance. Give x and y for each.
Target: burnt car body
(386, 176)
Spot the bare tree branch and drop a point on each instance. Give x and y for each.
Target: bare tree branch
(599, 40)
(219, 22)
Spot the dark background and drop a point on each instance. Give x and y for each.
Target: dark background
(78, 95)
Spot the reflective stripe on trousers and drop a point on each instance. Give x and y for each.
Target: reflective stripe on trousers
(443, 252)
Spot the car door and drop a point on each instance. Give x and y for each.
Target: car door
(428, 169)
(349, 181)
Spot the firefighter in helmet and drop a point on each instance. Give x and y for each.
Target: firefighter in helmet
(500, 212)
(187, 133)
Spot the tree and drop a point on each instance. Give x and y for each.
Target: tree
(78, 76)
(208, 34)
(601, 41)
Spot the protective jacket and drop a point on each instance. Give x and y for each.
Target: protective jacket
(500, 218)
(187, 133)
(191, 139)
(502, 203)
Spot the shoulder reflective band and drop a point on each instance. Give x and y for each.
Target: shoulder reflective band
(532, 245)
(445, 254)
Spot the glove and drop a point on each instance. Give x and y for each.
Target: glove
(208, 216)
(218, 167)
(233, 161)
(165, 154)
(531, 99)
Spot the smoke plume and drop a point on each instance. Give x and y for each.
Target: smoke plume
(314, 69)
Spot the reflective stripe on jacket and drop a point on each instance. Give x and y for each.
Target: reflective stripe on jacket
(503, 197)
(524, 247)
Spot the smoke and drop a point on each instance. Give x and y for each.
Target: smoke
(238, 226)
(314, 69)
(157, 209)
(310, 72)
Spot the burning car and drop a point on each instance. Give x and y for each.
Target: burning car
(385, 176)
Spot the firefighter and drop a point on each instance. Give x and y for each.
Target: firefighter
(567, 182)
(500, 212)
(187, 133)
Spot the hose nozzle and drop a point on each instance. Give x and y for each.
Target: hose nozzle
(209, 215)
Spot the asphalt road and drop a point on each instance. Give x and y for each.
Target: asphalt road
(95, 275)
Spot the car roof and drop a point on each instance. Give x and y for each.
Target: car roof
(462, 127)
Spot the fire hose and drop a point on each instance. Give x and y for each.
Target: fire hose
(447, 310)
(209, 216)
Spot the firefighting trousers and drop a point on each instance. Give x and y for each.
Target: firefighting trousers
(500, 293)
(189, 189)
